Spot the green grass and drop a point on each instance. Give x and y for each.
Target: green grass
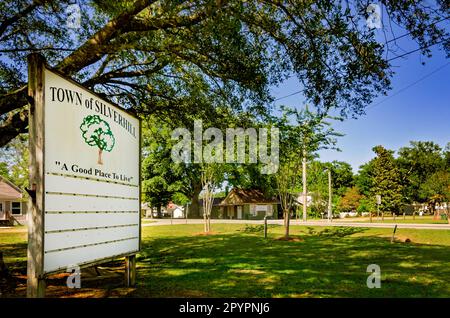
(399, 219)
(330, 262)
(147, 221)
(236, 261)
(13, 244)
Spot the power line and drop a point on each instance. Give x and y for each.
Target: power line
(292, 94)
(418, 49)
(391, 59)
(408, 33)
(410, 85)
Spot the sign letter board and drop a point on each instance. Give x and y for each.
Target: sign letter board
(85, 168)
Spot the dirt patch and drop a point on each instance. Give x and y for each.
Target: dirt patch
(105, 281)
(290, 239)
(204, 233)
(398, 238)
(189, 293)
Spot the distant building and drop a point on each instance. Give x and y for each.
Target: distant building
(175, 211)
(216, 209)
(171, 210)
(299, 199)
(249, 204)
(12, 205)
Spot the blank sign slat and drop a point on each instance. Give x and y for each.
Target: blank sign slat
(62, 240)
(83, 203)
(63, 259)
(54, 222)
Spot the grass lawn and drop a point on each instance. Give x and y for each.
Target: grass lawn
(426, 219)
(236, 261)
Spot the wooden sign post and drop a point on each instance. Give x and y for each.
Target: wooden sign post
(35, 257)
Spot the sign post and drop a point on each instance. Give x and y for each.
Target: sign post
(378, 205)
(85, 179)
(35, 252)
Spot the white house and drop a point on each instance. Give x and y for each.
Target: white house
(175, 211)
(299, 199)
(11, 203)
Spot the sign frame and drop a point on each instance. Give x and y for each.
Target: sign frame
(36, 203)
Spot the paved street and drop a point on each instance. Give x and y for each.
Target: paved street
(157, 222)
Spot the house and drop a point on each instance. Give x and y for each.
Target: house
(146, 210)
(248, 204)
(216, 209)
(12, 205)
(175, 211)
(299, 199)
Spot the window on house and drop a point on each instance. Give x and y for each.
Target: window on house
(253, 210)
(16, 208)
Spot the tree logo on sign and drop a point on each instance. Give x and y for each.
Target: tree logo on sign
(96, 132)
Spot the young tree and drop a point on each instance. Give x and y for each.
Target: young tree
(309, 133)
(386, 180)
(212, 175)
(97, 132)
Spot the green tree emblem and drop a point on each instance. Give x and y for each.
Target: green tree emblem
(96, 132)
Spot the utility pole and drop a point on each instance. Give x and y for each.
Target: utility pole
(329, 196)
(304, 183)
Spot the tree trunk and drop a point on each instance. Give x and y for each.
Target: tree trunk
(158, 211)
(286, 223)
(3, 269)
(194, 207)
(205, 227)
(305, 190)
(448, 212)
(435, 213)
(99, 161)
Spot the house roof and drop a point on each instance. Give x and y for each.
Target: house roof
(9, 190)
(243, 196)
(216, 201)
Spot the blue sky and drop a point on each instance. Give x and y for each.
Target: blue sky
(420, 112)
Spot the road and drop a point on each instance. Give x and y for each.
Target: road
(157, 222)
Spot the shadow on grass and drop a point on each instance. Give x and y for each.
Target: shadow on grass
(329, 263)
(326, 263)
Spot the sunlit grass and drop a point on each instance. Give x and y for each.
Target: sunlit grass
(236, 261)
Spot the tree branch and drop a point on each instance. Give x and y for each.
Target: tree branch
(7, 22)
(14, 125)
(89, 53)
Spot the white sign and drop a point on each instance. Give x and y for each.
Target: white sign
(91, 177)
(378, 199)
